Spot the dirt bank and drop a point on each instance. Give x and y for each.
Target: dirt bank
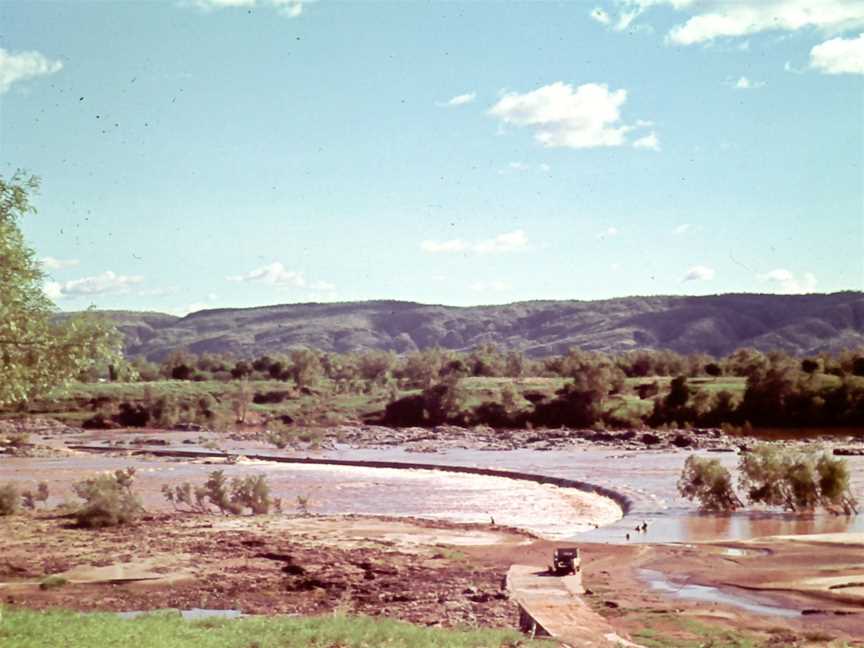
(259, 566)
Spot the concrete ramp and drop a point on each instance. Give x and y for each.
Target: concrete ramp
(552, 605)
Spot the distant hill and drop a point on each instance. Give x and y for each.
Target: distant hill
(716, 324)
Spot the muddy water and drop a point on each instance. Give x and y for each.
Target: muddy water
(648, 478)
(545, 510)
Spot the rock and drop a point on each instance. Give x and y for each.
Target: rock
(682, 441)
(650, 439)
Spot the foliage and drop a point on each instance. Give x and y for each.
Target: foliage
(250, 492)
(709, 482)
(25, 628)
(787, 477)
(108, 500)
(303, 505)
(30, 498)
(38, 352)
(795, 479)
(10, 499)
(52, 582)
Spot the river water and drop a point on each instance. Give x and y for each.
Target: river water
(648, 478)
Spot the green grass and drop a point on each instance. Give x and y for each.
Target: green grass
(32, 629)
(681, 632)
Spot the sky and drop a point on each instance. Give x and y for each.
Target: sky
(232, 153)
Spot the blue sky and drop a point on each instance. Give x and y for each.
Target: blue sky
(220, 153)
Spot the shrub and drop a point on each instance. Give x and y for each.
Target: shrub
(708, 481)
(108, 500)
(30, 498)
(834, 487)
(251, 492)
(791, 478)
(184, 494)
(52, 582)
(10, 499)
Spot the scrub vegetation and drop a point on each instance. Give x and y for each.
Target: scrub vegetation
(792, 478)
(487, 386)
(31, 629)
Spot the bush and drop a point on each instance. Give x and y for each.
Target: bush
(251, 492)
(10, 499)
(708, 481)
(790, 478)
(108, 500)
(30, 498)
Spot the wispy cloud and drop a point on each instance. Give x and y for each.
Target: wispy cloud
(600, 16)
(699, 273)
(564, 116)
(609, 232)
(649, 141)
(839, 56)
(23, 66)
(290, 8)
(459, 100)
(709, 20)
(683, 228)
(273, 274)
(787, 282)
(106, 283)
(50, 263)
(502, 243)
(743, 83)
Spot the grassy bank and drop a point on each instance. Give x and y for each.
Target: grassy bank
(32, 629)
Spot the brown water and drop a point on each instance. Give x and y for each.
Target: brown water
(648, 478)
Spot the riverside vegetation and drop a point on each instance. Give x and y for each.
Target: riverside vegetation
(486, 386)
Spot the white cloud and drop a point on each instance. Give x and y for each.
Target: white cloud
(518, 166)
(545, 168)
(717, 19)
(682, 229)
(609, 232)
(786, 282)
(699, 273)
(106, 283)
(839, 56)
(23, 66)
(459, 100)
(274, 274)
(586, 116)
(506, 242)
(712, 19)
(600, 16)
(744, 83)
(291, 8)
(649, 141)
(490, 286)
(50, 263)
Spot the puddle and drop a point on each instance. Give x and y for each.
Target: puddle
(657, 581)
(193, 614)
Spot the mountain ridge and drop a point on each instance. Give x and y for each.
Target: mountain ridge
(714, 324)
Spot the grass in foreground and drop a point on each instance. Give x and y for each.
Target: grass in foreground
(21, 628)
(673, 631)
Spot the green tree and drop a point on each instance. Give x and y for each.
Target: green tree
(709, 482)
(38, 351)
